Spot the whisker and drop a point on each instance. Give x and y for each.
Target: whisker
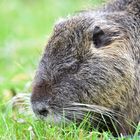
(21, 102)
(81, 109)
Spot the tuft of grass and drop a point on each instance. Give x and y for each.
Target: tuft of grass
(19, 126)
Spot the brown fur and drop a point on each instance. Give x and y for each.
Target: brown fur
(92, 63)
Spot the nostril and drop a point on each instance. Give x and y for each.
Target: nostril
(43, 112)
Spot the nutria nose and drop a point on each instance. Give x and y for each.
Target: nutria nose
(40, 108)
(43, 112)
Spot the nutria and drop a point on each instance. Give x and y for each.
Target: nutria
(92, 64)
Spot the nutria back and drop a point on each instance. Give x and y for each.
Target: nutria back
(92, 64)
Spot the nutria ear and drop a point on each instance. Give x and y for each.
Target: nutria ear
(100, 38)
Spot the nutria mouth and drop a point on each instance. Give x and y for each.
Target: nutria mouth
(91, 64)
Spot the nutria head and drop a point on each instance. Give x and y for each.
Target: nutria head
(89, 64)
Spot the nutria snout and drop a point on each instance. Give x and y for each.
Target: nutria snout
(91, 64)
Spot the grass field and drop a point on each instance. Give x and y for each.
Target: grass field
(24, 29)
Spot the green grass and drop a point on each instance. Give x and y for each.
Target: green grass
(29, 128)
(24, 29)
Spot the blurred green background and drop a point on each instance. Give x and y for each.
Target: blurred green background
(24, 29)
